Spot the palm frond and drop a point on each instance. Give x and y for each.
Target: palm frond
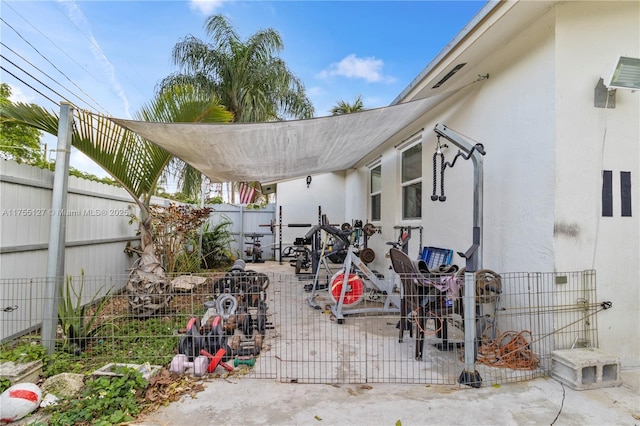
(190, 181)
(133, 162)
(185, 103)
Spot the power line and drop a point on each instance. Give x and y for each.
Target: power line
(36, 79)
(43, 73)
(28, 85)
(46, 59)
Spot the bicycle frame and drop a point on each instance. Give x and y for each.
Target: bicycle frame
(345, 285)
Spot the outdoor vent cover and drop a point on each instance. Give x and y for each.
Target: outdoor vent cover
(625, 75)
(449, 75)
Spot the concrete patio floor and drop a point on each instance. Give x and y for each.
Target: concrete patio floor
(249, 401)
(536, 402)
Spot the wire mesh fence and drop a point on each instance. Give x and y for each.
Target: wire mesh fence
(275, 326)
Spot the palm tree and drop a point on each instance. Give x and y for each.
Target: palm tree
(343, 107)
(135, 163)
(248, 76)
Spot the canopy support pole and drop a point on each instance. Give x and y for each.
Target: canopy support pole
(57, 230)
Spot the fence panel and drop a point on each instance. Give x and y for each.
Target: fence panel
(97, 224)
(303, 342)
(246, 222)
(98, 230)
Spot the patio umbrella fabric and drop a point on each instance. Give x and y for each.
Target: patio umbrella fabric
(276, 151)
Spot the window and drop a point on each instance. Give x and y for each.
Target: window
(412, 182)
(375, 183)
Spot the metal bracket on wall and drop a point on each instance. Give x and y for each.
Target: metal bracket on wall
(603, 97)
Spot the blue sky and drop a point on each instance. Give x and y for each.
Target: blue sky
(111, 54)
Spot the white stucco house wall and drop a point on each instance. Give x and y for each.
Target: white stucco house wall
(560, 174)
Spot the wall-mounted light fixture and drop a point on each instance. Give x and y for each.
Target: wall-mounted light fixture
(308, 181)
(625, 75)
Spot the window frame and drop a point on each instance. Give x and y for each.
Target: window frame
(405, 185)
(375, 193)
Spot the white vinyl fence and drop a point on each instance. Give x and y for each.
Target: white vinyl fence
(97, 224)
(247, 223)
(98, 230)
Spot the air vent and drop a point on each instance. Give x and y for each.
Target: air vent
(449, 75)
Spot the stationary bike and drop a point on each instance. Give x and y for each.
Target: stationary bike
(348, 289)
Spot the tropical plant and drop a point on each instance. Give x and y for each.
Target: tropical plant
(188, 262)
(343, 107)
(216, 244)
(17, 141)
(80, 322)
(248, 77)
(136, 164)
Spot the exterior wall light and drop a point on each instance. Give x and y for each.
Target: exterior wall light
(625, 75)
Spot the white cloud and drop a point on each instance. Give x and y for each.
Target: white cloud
(17, 95)
(369, 69)
(206, 7)
(78, 18)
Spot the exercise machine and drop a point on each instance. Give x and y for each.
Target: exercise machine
(301, 254)
(467, 149)
(254, 248)
(355, 282)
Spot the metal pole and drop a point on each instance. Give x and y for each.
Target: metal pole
(201, 229)
(57, 240)
(280, 233)
(473, 255)
(242, 253)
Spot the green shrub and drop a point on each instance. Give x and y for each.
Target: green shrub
(22, 352)
(104, 401)
(188, 261)
(216, 244)
(65, 362)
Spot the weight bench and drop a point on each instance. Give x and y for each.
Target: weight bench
(423, 296)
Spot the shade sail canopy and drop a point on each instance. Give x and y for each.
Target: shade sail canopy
(275, 151)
